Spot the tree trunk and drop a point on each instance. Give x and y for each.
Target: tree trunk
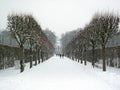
(93, 56)
(42, 56)
(82, 57)
(38, 55)
(35, 58)
(78, 57)
(103, 57)
(72, 58)
(81, 60)
(85, 61)
(22, 58)
(31, 57)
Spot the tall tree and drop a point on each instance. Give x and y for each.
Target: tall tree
(92, 39)
(17, 26)
(31, 35)
(106, 26)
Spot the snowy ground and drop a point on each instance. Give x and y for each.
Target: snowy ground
(60, 74)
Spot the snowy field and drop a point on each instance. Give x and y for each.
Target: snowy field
(60, 74)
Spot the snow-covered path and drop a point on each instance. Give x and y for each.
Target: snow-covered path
(58, 74)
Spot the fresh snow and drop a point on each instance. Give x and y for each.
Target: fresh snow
(60, 74)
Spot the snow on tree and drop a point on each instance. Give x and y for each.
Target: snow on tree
(106, 25)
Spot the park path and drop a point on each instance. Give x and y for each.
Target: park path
(56, 74)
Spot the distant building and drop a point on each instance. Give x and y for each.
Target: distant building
(7, 39)
(112, 42)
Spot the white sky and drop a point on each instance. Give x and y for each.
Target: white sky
(57, 15)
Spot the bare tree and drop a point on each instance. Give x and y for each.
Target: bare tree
(31, 35)
(84, 41)
(106, 26)
(17, 26)
(92, 39)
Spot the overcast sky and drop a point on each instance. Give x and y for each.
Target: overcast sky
(57, 15)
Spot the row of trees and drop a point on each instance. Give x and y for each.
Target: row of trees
(101, 28)
(51, 36)
(25, 29)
